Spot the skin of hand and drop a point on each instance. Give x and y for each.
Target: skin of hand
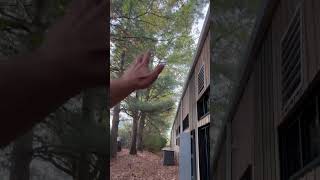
(136, 76)
(72, 58)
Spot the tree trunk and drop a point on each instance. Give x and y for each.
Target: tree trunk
(21, 157)
(88, 102)
(133, 147)
(140, 132)
(116, 115)
(135, 118)
(114, 130)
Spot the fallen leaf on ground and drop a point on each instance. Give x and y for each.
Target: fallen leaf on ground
(143, 166)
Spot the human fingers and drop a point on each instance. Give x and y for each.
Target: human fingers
(139, 59)
(153, 75)
(146, 58)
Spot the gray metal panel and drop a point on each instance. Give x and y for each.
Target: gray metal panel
(185, 156)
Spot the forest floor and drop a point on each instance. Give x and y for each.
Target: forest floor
(143, 166)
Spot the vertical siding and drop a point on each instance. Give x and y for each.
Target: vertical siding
(317, 173)
(185, 103)
(242, 133)
(206, 57)
(310, 40)
(265, 159)
(203, 59)
(316, 12)
(192, 104)
(277, 29)
(220, 168)
(256, 138)
(267, 113)
(268, 95)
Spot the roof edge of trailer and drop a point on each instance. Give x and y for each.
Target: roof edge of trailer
(202, 38)
(263, 21)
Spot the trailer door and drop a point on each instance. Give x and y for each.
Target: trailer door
(204, 152)
(185, 157)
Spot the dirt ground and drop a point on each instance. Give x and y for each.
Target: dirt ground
(143, 166)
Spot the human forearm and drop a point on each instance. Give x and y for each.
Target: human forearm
(30, 88)
(72, 57)
(119, 89)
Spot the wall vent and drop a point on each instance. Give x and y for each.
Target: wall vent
(291, 55)
(201, 79)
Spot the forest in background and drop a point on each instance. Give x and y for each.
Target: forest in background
(165, 27)
(70, 143)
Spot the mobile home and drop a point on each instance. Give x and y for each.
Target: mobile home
(190, 130)
(273, 130)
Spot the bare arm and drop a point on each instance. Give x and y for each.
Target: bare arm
(72, 58)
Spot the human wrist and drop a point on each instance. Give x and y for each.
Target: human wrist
(127, 83)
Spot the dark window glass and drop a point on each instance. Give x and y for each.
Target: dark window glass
(185, 123)
(178, 131)
(204, 152)
(178, 141)
(193, 156)
(310, 133)
(299, 139)
(290, 149)
(247, 175)
(203, 104)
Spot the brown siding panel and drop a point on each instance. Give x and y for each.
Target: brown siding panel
(207, 60)
(316, 13)
(317, 173)
(192, 104)
(276, 34)
(185, 103)
(242, 133)
(266, 94)
(310, 56)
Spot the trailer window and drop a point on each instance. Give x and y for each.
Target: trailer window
(203, 105)
(178, 141)
(299, 139)
(178, 131)
(185, 123)
(247, 175)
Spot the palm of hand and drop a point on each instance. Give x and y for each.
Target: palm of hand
(139, 75)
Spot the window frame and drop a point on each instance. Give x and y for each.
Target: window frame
(185, 126)
(305, 164)
(205, 104)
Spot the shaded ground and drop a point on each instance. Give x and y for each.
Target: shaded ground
(144, 166)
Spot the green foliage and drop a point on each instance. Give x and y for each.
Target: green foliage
(125, 134)
(163, 26)
(154, 142)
